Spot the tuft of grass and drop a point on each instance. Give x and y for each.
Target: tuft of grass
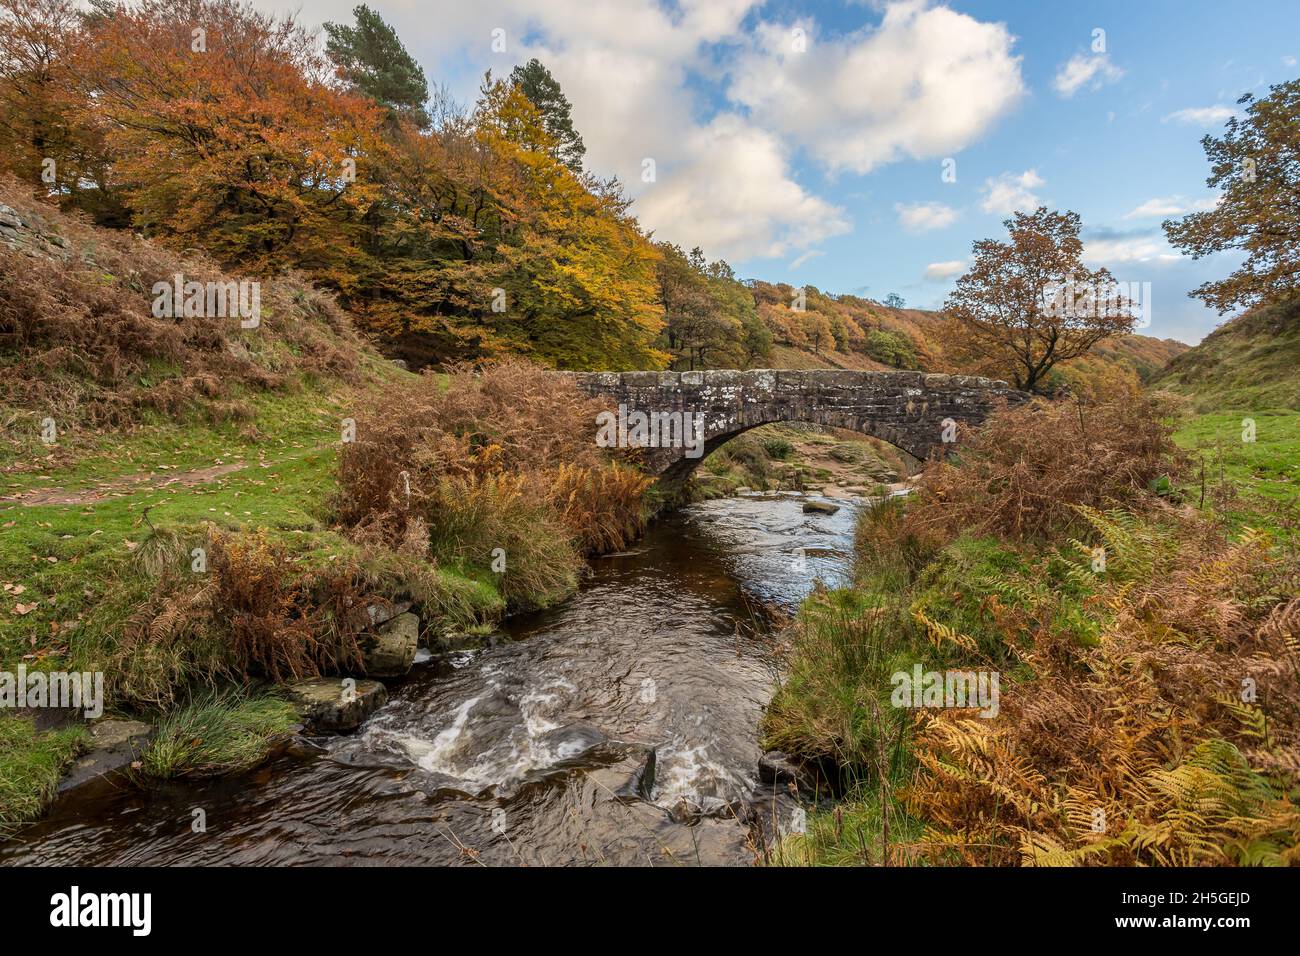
(31, 764)
(219, 733)
(867, 828)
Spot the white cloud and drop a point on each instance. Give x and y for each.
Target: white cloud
(805, 257)
(1163, 207)
(925, 83)
(1111, 248)
(722, 182)
(1012, 192)
(1200, 115)
(924, 216)
(1288, 61)
(1093, 70)
(938, 271)
(731, 194)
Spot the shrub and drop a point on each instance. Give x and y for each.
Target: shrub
(501, 458)
(1026, 470)
(778, 449)
(79, 342)
(1140, 749)
(474, 516)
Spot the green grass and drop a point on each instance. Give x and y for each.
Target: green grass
(853, 833)
(82, 569)
(1248, 362)
(1267, 468)
(79, 564)
(31, 764)
(220, 733)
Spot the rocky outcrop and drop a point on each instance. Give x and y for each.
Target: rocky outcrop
(29, 233)
(389, 651)
(336, 704)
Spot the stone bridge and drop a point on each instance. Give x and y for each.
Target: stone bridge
(918, 412)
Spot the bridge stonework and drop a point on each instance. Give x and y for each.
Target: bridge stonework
(906, 409)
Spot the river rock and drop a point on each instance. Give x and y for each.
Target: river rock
(820, 507)
(457, 641)
(640, 783)
(390, 651)
(329, 704)
(380, 612)
(114, 745)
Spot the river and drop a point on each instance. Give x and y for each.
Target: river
(533, 750)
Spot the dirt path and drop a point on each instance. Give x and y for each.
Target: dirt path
(122, 487)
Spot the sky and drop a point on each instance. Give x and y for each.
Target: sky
(862, 146)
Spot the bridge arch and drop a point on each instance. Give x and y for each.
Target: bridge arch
(917, 412)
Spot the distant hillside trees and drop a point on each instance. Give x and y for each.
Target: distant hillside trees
(1256, 163)
(1030, 303)
(710, 318)
(891, 348)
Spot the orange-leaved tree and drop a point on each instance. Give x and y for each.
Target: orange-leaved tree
(227, 135)
(1031, 303)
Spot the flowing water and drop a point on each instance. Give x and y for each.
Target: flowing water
(618, 728)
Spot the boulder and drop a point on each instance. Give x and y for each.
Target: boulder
(820, 507)
(336, 704)
(390, 650)
(114, 745)
(456, 641)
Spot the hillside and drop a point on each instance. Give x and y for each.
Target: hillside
(1242, 386)
(855, 333)
(1250, 362)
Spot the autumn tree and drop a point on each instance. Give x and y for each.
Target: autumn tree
(44, 138)
(1256, 164)
(578, 275)
(1028, 304)
(225, 136)
(370, 57)
(535, 81)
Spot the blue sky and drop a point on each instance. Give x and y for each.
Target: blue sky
(816, 156)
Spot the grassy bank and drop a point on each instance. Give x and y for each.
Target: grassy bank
(201, 511)
(1146, 652)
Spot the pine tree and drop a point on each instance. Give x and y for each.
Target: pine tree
(535, 82)
(371, 58)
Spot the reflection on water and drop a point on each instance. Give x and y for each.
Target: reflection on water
(618, 728)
